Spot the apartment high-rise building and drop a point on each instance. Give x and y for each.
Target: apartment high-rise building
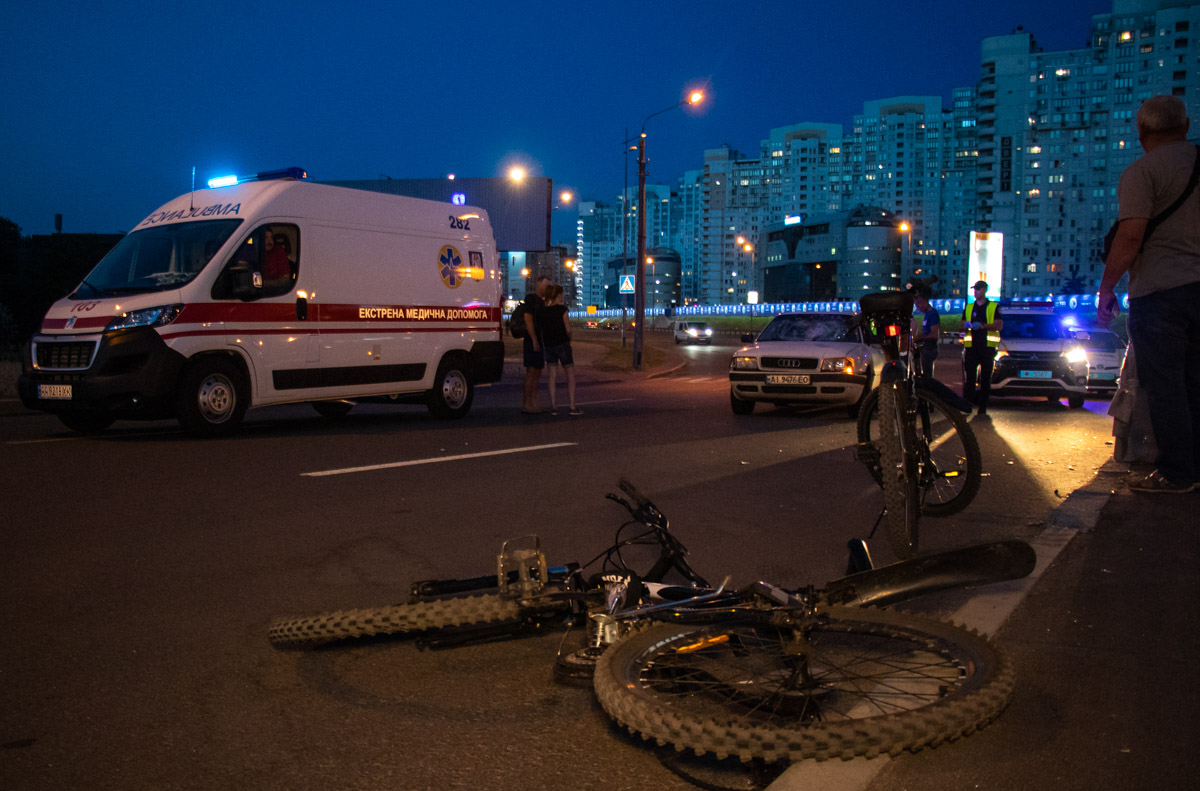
(1032, 153)
(1057, 130)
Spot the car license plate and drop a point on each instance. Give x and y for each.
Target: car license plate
(1108, 375)
(55, 392)
(1036, 375)
(787, 379)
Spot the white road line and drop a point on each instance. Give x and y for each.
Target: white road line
(434, 460)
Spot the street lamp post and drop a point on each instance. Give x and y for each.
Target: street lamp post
(639, 285)
(906, 257)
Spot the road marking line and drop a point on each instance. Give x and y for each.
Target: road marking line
(434, 460)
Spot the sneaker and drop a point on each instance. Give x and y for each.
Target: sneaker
(576, 411)
(1156, 483)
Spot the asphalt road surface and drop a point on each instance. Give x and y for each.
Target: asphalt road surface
(141, 568)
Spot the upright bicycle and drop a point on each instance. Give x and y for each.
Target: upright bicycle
(916, 444)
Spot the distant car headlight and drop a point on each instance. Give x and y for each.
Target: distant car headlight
(1076, 355)
(693, 331)
(708, 330)
(744, 363)
(838, 365)
(147, 317)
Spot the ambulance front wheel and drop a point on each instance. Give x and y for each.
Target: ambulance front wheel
(452, 389)
(212, 397)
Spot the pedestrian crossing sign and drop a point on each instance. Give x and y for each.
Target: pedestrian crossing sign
(626, 286)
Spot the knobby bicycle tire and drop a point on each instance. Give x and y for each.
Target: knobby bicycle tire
(874, 682)
(394, 619)
(956, 455)
(898, 464)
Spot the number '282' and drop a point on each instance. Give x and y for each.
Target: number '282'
(459, 225)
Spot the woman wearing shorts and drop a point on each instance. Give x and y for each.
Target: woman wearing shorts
(556, 339)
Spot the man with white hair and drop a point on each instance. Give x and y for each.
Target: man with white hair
(1161, 252)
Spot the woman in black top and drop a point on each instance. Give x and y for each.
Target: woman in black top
(556, 338)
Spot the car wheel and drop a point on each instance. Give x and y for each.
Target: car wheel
(1075, 401)
(212, 397)
(452, 391)
(740, 406)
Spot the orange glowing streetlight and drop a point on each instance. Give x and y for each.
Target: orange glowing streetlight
(639, 293)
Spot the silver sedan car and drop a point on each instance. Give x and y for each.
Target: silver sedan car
(806, 359)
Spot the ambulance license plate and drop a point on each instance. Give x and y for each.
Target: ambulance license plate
(54, 392)
(1036, 374)
(787, 379)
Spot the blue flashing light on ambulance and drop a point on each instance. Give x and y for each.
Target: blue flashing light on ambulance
(275, 290)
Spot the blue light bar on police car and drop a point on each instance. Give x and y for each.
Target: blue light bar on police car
(266, 175)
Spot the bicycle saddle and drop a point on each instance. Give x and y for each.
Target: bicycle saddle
(887, 302)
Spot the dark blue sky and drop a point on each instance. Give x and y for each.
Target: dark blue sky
(107, 106)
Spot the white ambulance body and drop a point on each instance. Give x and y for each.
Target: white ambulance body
(270, 292)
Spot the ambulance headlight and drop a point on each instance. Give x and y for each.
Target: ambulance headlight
(147, 317)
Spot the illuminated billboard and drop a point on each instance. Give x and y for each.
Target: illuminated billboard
(986, 261)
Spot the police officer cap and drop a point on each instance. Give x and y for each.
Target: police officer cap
(980, 284)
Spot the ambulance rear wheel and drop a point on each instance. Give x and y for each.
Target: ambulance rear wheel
(452, 391)
(212, 397)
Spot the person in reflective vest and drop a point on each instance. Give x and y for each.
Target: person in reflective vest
(981, 325)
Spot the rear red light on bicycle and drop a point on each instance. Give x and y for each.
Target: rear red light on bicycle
(892, 330)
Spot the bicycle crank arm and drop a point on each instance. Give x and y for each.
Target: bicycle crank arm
(977, 565)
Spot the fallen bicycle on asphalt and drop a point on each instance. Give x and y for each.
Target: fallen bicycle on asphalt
(758, 672)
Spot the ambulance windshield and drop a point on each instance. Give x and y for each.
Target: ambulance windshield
(157, 259)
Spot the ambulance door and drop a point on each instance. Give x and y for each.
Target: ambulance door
(370, 338)
(268, 317)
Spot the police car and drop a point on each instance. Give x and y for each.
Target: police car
(1039, 356)
(805, 359)
(1106, 356)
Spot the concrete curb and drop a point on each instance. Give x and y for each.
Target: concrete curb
(986, 611)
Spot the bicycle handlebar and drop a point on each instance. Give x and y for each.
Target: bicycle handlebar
(638, 499)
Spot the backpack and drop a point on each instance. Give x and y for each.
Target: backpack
(516, 321)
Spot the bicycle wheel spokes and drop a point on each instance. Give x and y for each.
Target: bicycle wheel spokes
(949, 452)
(951, 461)
(851, 682)
(772, 675)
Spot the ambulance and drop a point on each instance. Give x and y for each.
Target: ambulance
(275, 290)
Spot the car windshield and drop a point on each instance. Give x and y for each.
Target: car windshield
(1032, 327)
(812, 328)
(1104, 341)
(157, 259)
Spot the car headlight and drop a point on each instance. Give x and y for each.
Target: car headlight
(744, 363)
(693, 332)
(1076, 355)
(147, 317)
(838, 365)
(708, 330)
